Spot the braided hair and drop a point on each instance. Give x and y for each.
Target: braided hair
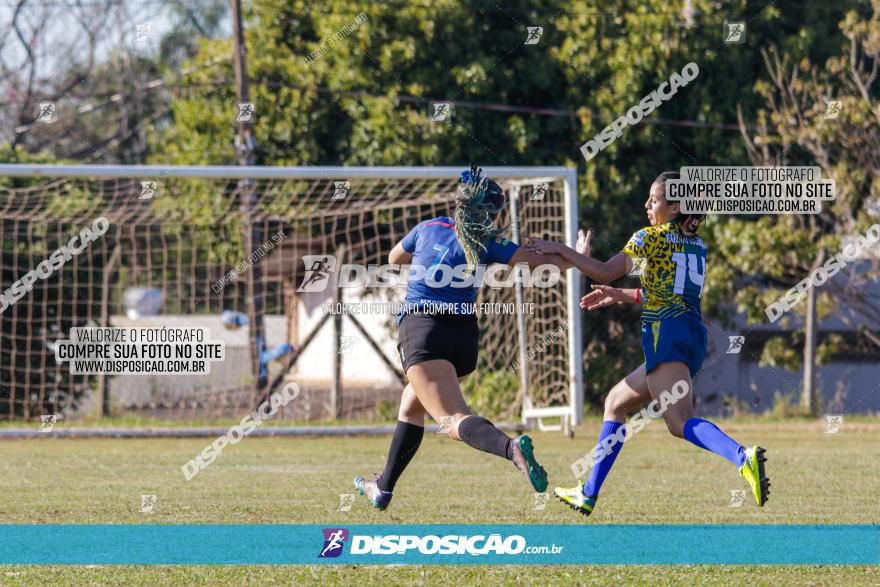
(478, 203)
(688, 224)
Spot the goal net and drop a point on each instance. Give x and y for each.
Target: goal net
(230, 249)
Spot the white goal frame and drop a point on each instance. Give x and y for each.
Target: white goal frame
(571, 414)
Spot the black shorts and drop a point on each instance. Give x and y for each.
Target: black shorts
(450, 337)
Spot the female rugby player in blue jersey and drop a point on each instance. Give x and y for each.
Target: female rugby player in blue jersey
(673, 339)
(438, 349)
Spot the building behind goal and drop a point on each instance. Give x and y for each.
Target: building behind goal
(233, 249)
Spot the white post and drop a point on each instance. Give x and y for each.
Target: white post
(516, 233)
(573, 295)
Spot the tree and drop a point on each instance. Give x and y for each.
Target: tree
(799, 125)
(90, 62)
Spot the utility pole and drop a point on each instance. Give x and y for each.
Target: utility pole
(809, 397)
(808, 394)
(251, 232)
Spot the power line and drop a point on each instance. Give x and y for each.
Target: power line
(465, 104)
(569, 113)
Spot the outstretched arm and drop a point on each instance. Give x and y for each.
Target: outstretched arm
(603, 272)
(533, 259)
(614, 268)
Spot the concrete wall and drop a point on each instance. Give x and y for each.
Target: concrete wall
(363, 372)
(844, 386)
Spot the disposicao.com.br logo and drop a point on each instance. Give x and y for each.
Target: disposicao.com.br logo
(334, 541)
(431, 544)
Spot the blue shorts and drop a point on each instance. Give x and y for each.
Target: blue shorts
(681, 338)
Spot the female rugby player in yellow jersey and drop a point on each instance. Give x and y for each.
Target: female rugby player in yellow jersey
(673, 340)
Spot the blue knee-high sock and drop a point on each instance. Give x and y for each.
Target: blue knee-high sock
(601, 469)
(707, 435)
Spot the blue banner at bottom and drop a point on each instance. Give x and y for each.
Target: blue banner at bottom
(439, 544)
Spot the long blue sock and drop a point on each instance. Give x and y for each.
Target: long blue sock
(601, 469)
(707, 435)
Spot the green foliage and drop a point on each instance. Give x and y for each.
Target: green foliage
(828, 348)
(779, 353)
(492, 393)
(387, 410)
(788, 406)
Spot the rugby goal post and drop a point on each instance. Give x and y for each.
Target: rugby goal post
(182, 230)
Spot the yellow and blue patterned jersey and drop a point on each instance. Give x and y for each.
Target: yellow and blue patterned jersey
(673, 267)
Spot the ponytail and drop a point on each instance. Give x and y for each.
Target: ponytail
(478, 203)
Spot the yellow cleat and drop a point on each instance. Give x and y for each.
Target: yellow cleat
(753, 472)
(575, 499)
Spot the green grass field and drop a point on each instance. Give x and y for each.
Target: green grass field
(817, 478)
